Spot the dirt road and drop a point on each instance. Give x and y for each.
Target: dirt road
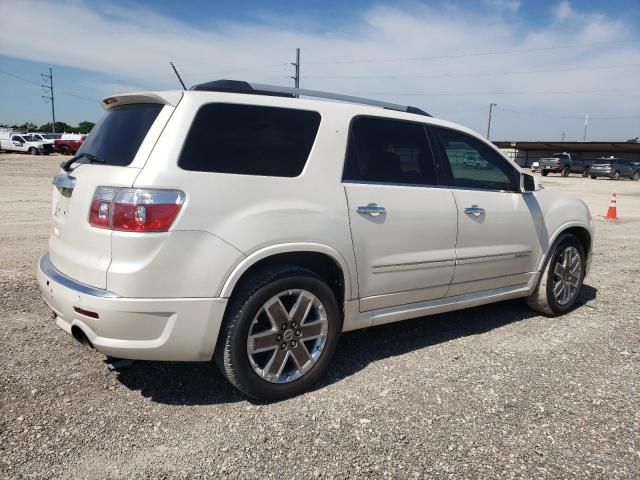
(492, 392)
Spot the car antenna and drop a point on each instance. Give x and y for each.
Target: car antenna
(184, 87)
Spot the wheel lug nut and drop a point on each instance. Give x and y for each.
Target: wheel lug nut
(298, 333)
(283, 346)
(284, 326)
(293, 324)
(278, 338)
(293, 343)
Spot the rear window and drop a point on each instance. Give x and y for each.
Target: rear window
(249, 140)
(116, 138)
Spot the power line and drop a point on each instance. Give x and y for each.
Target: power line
(93, 100)
(437, 94)
(477, 74)
(572, 117)
(470, 54)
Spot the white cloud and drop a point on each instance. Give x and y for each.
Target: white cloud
(563, 11)
(134, 47)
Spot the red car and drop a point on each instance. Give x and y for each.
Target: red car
(69, 143)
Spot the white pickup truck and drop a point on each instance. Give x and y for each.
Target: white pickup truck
(23, 142)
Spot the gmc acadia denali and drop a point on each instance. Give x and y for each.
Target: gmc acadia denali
(238, 222)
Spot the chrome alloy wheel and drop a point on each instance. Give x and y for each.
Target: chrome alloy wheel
(287, 336)
(566, 275)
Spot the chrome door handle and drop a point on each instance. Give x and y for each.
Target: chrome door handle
(474, 210)
(371, 209)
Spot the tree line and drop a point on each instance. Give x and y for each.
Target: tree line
(82, 127)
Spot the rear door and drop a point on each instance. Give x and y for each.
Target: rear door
(498, 226)
(121, 143)
(403, 225)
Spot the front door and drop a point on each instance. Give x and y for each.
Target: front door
(498, 225)
(403, 226)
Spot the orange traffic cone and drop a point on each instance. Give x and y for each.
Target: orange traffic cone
(612, 214)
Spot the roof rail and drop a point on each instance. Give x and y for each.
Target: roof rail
(239, 86)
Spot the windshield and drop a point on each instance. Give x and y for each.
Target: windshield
(603, 162)
(560, 155)
(117, 136)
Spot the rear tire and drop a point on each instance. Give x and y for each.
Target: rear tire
(585, 173)
(544, 173)
(33, 151)
(593, 177)
(636, 175)
(64, 150)
(616, 176)
(565, 172)
(278, 290)
(560, 277)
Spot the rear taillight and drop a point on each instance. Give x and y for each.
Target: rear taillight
(135, 209)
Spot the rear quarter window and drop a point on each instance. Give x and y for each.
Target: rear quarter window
(249, 140)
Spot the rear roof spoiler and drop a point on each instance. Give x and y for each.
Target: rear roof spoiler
(171, 98)
(238, 86)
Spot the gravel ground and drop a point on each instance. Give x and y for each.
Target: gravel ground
(495, 391)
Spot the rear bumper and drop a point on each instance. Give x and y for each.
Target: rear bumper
(169, 329)
(608, 174)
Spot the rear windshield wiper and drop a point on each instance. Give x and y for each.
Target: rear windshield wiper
(66, 165)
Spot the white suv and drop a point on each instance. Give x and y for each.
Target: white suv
(238, 222)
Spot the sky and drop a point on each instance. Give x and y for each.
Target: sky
(546, 64)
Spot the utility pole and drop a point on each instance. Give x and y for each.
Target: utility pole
(49, 98)
(586, 122)
(296, 78)
(491, 105)
(563, 136)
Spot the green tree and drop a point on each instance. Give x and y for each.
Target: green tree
(634, 140)
(85, 127)
(60, 127)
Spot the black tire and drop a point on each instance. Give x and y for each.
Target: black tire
(593, 177)
(64, 150)
(636, 175)
(33, 151)
(544, 173)
(231, 350)
(616, 176)
(565, 172)
(585, 173)
(542, 299)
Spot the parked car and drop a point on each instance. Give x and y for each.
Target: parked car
(615, 168)
(69, 143)
(23, 142)
(46, 138)
(473, 161)
(230, 222)
(564, 163)
(535, 166)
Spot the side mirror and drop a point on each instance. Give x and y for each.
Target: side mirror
(528, 183)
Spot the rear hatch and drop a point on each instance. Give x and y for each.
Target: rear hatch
(118, 147)
(601, 165)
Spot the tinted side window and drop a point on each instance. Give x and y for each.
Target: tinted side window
(475, 165)
(389, 151)
(249, 140)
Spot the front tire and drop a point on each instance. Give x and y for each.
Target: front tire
(585, 173)
(544, 173)
(64, 150)
(561, 281)
(33, 151)
(636, 175)
(279, 333)
(616, 176)
(593, 177)
(565, 172)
